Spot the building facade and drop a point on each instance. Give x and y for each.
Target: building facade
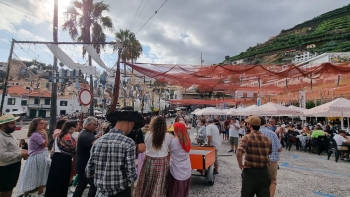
(16, 100)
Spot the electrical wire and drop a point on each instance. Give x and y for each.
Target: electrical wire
(25, 12)
(141, 12)
(151, 16)
(132, 23)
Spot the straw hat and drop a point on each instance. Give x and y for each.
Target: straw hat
(7, 118)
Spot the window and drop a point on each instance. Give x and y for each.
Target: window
(24, 102)
(11, 101)
(47, 101)
(36, 101)
(63, 103)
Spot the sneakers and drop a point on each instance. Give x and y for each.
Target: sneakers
(230, 151)
(216, 173)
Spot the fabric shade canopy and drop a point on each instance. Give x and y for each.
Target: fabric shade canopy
(339, 107)
(210, 111)
(272, 109)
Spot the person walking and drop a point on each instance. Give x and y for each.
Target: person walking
(85, 141)
(10, 155)
(257, 148)
(274, 157)
(152, 179)
(213, 136)
(234, 135)
(60, 171)
(36, 169)
(179, 177)
(112, 160)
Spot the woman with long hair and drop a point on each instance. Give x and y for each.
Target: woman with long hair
(152, 178)
(60, 170)
(59, 126)
(179, 177)
(36, 169)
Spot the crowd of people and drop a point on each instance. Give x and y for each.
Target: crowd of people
(130, 155)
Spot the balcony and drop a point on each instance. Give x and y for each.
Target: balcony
(39, 106)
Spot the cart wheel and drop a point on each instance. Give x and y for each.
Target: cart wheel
(210, 175)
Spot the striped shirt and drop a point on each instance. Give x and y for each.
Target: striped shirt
(257, 148)
(275, 156)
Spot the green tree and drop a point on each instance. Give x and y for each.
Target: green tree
(85, 23)
(227, 57)
(132, 46)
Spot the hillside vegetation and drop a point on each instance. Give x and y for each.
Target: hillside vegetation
(330, 32)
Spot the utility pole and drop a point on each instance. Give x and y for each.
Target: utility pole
(7, 77)
(201, 60)
(53, 109)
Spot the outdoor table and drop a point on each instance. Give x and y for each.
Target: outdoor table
(303, 139)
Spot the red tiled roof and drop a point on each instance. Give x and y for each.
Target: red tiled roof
(40, 94)
(16, 90)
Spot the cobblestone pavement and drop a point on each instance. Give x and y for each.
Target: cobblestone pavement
(301, 174)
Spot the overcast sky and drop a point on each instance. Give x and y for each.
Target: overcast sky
(178, 33)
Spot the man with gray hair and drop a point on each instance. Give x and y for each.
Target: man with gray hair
(85, 141)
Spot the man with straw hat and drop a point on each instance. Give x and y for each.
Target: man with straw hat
(112, 159)
(10, 155)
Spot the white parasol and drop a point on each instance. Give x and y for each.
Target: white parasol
(272, 109)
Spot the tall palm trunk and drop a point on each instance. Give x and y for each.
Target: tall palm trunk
(87, 38)
(53, 109)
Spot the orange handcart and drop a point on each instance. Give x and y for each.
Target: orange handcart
(203, 159)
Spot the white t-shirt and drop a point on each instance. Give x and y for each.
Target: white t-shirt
(234, 132)
(213, 131)
(163, 152)
(339, 140)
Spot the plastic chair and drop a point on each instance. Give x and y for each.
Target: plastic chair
(333, 147)
(322, 144)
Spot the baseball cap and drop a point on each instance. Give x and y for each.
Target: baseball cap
(253, 120)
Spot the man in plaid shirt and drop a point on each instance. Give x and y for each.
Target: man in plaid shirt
(257, 148)
(112, 159)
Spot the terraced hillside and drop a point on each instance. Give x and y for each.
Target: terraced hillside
(329, 32)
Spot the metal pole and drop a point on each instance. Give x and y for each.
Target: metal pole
(53, 106)
(7, 77)
(116, 85)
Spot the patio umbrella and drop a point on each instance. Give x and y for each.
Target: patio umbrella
(339, 107)
(272, 109)
(196, 110)
(210, 111)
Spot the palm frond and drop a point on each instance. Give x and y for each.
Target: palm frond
(106, 22)
(98, 8)
(78, 4)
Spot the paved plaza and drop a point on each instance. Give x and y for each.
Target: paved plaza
(301, 174)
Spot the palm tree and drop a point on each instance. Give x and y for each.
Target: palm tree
(85, 23)
(132, 46)
(87, 16)
(132, 49)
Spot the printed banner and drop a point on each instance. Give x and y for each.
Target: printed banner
(302, 99)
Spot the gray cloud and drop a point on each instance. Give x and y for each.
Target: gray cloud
(216, 28)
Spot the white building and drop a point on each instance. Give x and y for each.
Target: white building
(68, 105)
(304, 56)
(326, 57)
(3, 66)
(16, 99)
